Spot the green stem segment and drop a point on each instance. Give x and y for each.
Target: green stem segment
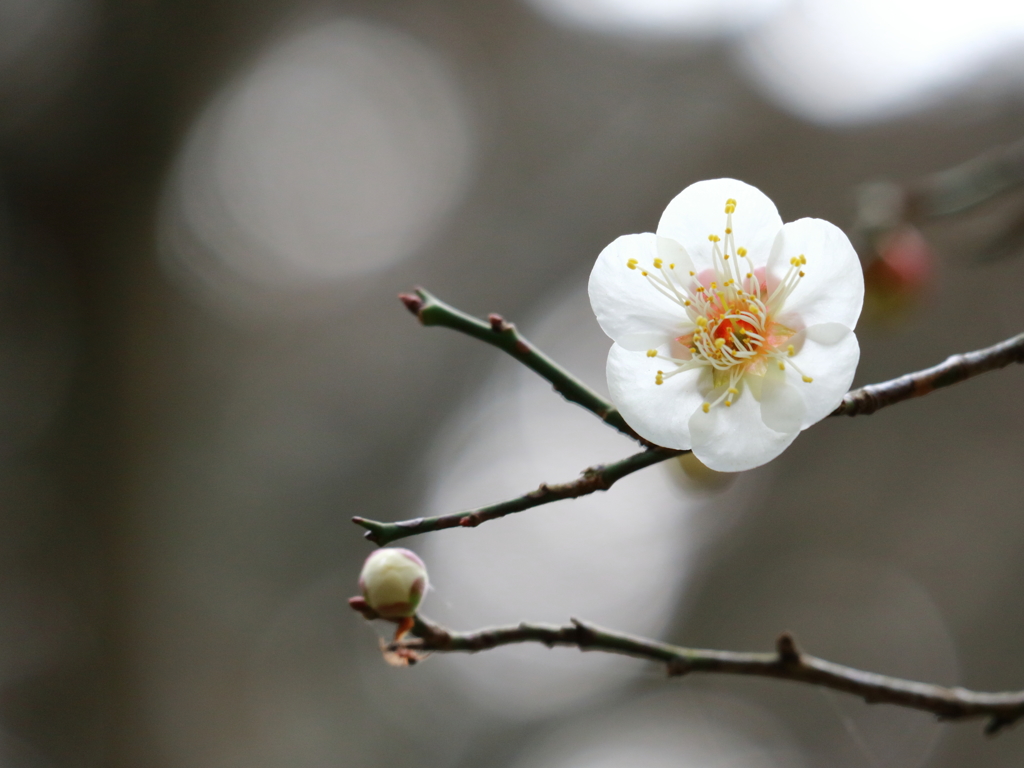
(502, 334)
(786, 663)
(599, 478)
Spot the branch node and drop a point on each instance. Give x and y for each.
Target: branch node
(413, 302)
(373, 530)
(584, 635)
(542, 490)
(359, 605)
(787, 650)
(678, 667)
(498, 323)
(997, 723)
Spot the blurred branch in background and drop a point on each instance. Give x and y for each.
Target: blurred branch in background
(884, 206)
(787, 663)
(502, 334)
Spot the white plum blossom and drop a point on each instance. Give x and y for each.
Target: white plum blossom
(733, 332)
(393, 581)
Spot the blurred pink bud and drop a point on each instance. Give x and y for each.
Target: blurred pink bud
(902, 273)
(393, 582)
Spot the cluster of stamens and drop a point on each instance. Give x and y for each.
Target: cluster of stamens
(730, 326)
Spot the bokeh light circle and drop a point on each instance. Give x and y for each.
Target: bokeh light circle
(337, 154)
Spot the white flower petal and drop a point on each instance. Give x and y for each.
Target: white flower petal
(658, 412)
(832, 289)
(699, 211)
(734, 439)
(829, 354)
(674, 254)
(629, 309)
(782, 407)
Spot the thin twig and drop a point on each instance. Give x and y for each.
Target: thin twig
(957, 368)
(599, 478)
(502, 334)
(786, 663)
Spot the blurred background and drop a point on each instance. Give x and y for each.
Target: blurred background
(207, 209)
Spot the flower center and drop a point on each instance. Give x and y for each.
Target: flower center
(729, 325)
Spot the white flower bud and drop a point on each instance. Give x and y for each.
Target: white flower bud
(393, 582)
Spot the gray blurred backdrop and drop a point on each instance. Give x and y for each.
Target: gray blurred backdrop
(207, 209)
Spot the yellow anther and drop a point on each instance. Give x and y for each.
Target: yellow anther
(693, 350)
(719, 343)
(692, 273)
(808, 379)
(714, 238)
(702, 321)
(632, 263)
(686, 302)
(782, 366)
(750, 275)
(658, 380)
(726, 256)
(706, 407)
(730, 201)
(790, 350)
(728, 230)
(730, 209)
(657, 263)
(671, 266)
(643, 272)
(652, 353)
(700, 289)
(801, 273)
(803, 259)
(794, 262)
(728, 404)
(714, 285)
(733, 391)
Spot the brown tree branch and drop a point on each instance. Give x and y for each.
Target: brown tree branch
(786, 663)
(957, 368)
(599, 478)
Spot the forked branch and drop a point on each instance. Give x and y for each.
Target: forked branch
(859, 402)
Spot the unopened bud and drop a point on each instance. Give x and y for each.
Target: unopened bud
(901, 275)
(393, 581)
